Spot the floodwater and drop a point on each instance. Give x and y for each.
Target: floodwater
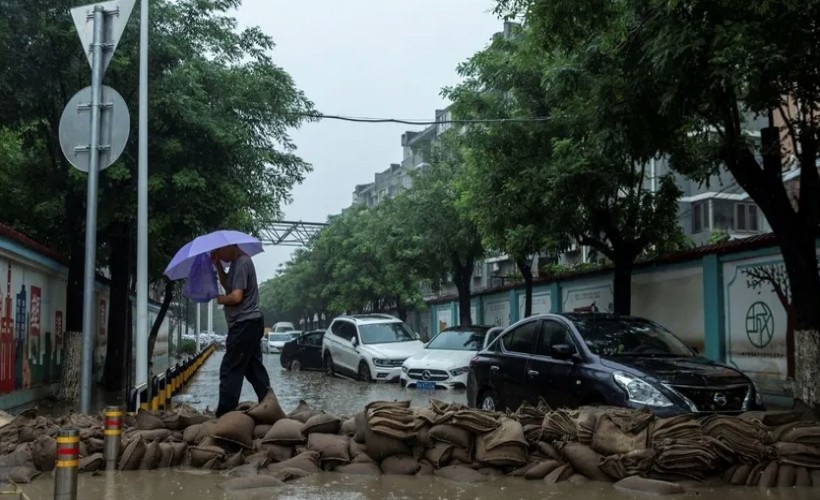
(170, 484)
(345, 397)
(336, 395)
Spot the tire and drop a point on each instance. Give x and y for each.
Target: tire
(364, 372)
(488, 400)
(295, 365)
(328, 362)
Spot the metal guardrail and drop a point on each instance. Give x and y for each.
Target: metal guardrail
(167, 384)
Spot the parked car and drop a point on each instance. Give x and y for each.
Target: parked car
(445, 360)
(282, 327)
(303, 352)
(368, 347)
(575, 359)
(276, 341)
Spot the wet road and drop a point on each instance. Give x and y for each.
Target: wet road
(336, 395)
(169, 484)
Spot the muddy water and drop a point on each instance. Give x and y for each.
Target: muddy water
(335, 395)
(170, 484)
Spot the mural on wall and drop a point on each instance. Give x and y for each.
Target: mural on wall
(444, 317)
(588, 299)
(541, 303)
(673, 298)
(27, 355)
(497, 312)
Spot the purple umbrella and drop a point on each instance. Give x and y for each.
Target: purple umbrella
(180, 265)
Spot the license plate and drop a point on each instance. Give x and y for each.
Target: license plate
(426, 386)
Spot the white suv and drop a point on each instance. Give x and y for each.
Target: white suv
(368, 347)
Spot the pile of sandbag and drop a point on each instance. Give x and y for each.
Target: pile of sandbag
(260, 445)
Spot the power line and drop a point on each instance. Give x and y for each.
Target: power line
(412, 121)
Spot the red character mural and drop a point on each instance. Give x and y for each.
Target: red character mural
(7, 344)
(34, 324)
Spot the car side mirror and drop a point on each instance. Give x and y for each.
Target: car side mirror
(354, 341)
(561, 351)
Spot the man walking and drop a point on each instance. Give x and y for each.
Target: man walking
(246, 327)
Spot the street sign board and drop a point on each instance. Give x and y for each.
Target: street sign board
(117, 13)
(75, 128)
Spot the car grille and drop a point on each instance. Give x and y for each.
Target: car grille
(716, 399)
(432, 375)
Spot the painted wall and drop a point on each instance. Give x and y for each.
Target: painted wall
(444, 317)
(541, 303)
(674, 297)
(497, 310)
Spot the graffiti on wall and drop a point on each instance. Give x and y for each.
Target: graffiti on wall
(588, 299)
(497, 313)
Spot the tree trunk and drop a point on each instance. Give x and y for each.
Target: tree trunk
(401, 311)
(526, 271)
(117, 316)
(163, 310)
(807, 359)
(621, 286)
(462, 274)
(69, 390)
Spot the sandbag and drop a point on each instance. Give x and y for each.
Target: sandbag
(201, 455)
(475, 421)
(360, 420)
(461, 474)
(180, 451)
(422, 437)
(462, 455)
(246, 470)
(439, 455)
(268, 411)
(151, 457)
(20, 474)
(289, 474)
(172, 421)
(540, 469)
(307, 461)
(132, 455)
(636, 484)
(348, 427)
(153, 434)
(562, 473)
(332, 448)
(400, 465)
(610, 439)
(362, 469)
(278, 452)
(798, 454)
(166, 452)
(425, 468)
(768, 477)
(148, 421)
(451, 434)
(95, 445)
(251, 482)
(548, 451)
(286, 431)
(578, 479)
(740, 475)
(512, 454)
(191, 434)
(189, 418)
(321, 423)
(802, 477)
(259, 460)
(786, 476)
(44, 453)
(815, 477)
(379, 447)
(91, 463)
(233, 461)
(259, 431)
(357, 449)
(235, 427)
(634, 463)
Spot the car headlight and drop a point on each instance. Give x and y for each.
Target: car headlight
(641, 392)
(459, 371)
(758, 396)
(404, 369)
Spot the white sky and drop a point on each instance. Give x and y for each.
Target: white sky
(377, 58)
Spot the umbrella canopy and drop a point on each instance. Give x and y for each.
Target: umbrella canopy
(180, 265)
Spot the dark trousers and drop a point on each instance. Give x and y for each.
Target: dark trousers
(243, 359)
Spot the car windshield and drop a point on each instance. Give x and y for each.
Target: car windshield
(385, 333)
(279, 337)
(458, 340)
(630, 337)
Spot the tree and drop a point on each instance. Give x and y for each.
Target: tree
(219, 109)
(707, 73)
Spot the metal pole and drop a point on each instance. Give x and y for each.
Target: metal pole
(198, 324)
(142, 206)
(112, 431)
(211, 317)
(65, 475)
(91, 211)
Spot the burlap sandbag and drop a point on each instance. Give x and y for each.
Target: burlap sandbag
(188, 419)
(148, 421)
(360, 419)
(379, 447)
(451, 434)
(461, 474)
(235, 427)
(278, 452)
(321, 423)
(132, 455)
(562, 473)
(166, 454)
(634, 463)
(462, 455)
(250, 483)
(360, 469)
(610, 439)
(92, 463)
(289, 474)
(740, 475)
(798, 454)
(786, 476)
(547, 450)
(802, 477)
(333, 449)
(206, 429)
(21, 456)
(439, 455)
(151, 457)
(26, 434)
(768, 477)
(402, 465)
(636, 484)
(172, 421)
(21, 474)
(44, 453)
(753, 477)
(180, 451)
(153, 434)
(95, 445)
(201, 455)
(348, 427)
(286, 431)
(422, 437)
(233, 461)
(506, 453)
(357, 449)
(425, 468)
(521, 471)
(509, 432)
(191, 433)
(260, 430)
(541, 469)
(307, 461)
(815, 477)
(267, 411)
(259, 460)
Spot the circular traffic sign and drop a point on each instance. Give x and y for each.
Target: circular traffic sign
(75, 128)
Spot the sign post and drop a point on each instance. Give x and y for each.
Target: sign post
(141, 336)
(99, 111)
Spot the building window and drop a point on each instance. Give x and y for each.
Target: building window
(698, 217)
(746, 217)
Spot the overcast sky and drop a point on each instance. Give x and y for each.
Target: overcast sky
(376, 58)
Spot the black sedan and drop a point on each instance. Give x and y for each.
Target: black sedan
(572, 360)
(303, 352)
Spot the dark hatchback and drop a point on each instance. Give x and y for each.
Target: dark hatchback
(572, 360)
(304, 352)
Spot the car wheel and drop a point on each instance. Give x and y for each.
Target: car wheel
(295, 365)
(328, 362)
(489, 401)
(364, 372)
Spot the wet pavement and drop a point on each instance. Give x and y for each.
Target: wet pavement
(336, 395)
